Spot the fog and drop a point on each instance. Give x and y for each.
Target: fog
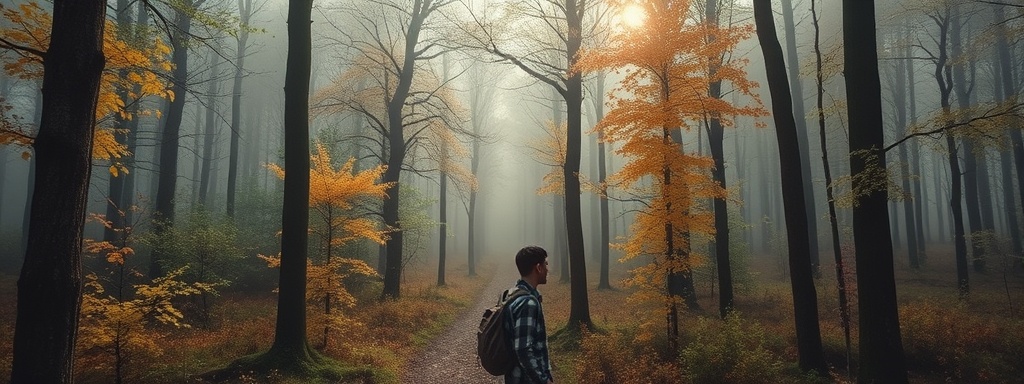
(511, 212)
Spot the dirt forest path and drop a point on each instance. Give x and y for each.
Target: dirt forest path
(451, 357)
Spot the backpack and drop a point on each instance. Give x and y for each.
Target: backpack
(493, 343)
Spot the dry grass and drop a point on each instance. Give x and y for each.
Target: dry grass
(946, 339)
(384, 335)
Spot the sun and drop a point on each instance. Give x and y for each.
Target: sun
(633, 16)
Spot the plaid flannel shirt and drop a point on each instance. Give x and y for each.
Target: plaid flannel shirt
(529, 338)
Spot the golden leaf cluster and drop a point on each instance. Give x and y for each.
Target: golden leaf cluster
(668, 68)
(130, 70)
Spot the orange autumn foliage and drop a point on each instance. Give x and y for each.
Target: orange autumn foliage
(667, 70)
(130, 70)
(334, 196)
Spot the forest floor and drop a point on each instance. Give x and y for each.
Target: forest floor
(427, 336)
(451, 356)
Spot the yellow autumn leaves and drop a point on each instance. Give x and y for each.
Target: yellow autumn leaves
(131, 73)
(668, 69)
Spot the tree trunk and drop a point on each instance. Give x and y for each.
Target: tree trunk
(1009, 95)
(245, 12)
(443, 199)
(197, 134)
(443, 221)
(602, 174)
(800, 116)
(805, 300)
(962, 277)
(920, 218)
(5, 94)
(881, 350)
(396, 148)
(939, 206)
(49, 287)
(970, 175)
(900, 99)
(716, 142)
(290, 332)
(210, 129)
(837, 250)
(163, 214)
(115, 191)
(579, 309)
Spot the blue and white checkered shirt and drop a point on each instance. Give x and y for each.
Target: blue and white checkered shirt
(529, 338)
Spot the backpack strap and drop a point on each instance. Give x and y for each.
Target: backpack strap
(512, 294)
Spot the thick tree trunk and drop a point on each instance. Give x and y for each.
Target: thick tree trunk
(396, 151)
(579, 309)
(290, 332)
(805, 300)
(50, 284)
(881, 350)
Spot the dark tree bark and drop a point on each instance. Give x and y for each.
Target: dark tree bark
(680, 282)
(900, 99)
(443, 202)
(290, 332)
(558, 204)
(50, 284)
(837, 250)
(579, 311)
(163, 213)
(716, 141)
(920, 218)
(421, 9)
(1008, 95)
(5, 92)
(971, 168)
(245, 12)
(571, 90)
(115, 191)
(881, 350)
(805, 300)
(800, 116)
(30, 184)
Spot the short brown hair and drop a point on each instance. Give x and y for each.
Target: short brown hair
(528, 257)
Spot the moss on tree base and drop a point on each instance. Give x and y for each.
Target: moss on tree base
(282, 364)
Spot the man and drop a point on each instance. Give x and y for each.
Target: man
(526, 321)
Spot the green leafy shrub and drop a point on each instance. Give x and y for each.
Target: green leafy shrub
(733, 351)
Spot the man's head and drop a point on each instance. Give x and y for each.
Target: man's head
(533, 264)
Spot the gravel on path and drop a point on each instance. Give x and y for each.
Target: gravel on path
(451, 356)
